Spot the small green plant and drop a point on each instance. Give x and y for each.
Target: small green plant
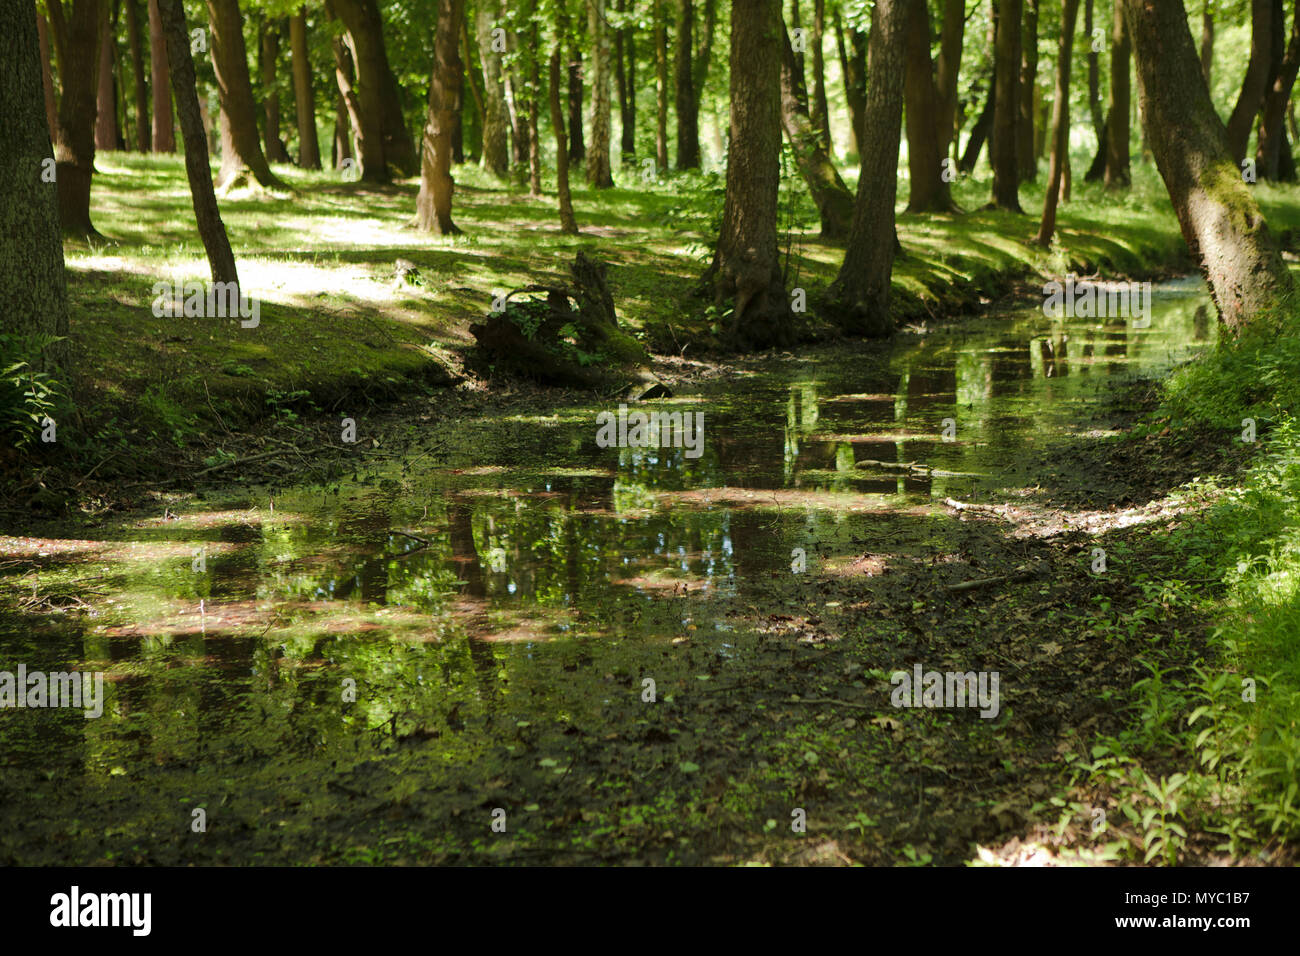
(27, 396)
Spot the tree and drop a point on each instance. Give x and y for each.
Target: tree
(33, 284)
(107, 134)
(568, 225)
(221, 260)
(1006, 93)
(577, 145)
(599, 173)
(76, 48)
(1060, 123)
(241, 145)
(269, 56)
(1207, 38)
(929, 192)
(378, 92)
(1255, 82)
(164, 132)
(859, 297)
(688, 120)
(1094, 75)
(951, 34)
(143, 140)
(496, 121)
(1117, 173)
(433, 205)
(820, 111)
(661, 87)
(625, 79)
(746, 268)
(1025, 154)
(1273, 153)
(303, 96)
(1219, 218)
(833, 199)
(853, 67)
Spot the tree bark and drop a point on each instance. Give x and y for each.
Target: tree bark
(1255, 83)
(978, 134)
(164, 131)
(77, 42)
(599, 173)
(1220, 220)
(1060, 124)
(1117, 175)
(269, 55)
(303, 96)
(821, 113)
(688, 117)
(853, 67)
(746, 269)
(833, 199)
(1207, 38)
(1006, 110)
(859, 296)
(496, 147)
(577, 145)
(342, 144)
(241, 146)
(1272, 147)
(143, 139)
(221, 260)
(1094, 75)
(928, 192)
(107, 136)
(376, 86)
(568, 225)
(661, 88)
(47, 77)
(33, 283)
(433, 205)
(951, 34)
(625, 60)
(1026, 155)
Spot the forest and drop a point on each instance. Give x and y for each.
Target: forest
(649, 432)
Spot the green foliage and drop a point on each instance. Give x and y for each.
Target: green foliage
(27, 396)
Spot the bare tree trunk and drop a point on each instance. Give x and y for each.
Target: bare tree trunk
(77, 41)
(1117, 173)
(1026, 155)
(577, 146)
(599, 173)
(1255, 83)
(164, 131)
(303, 96)
(269, 55)
(433, 205)
(688, 120)
(853, 66)
(221, 260)
(496, 147)
(951, 34)
(106, 128)
(1207, 38)
(746, 268)
(1060, 124)
(47, 78)
(859, 296)
(33, 283)
(568, 225)
(1094, 75)
(625, 59)
(377, 89)
(143, 139)
(928, 192)
(833, 199)
(978, 134)
(241, 146)
(821, 112)
(1273, 147)
(1006, 110)
(1220, 220)
(342, 147)
(661, 88)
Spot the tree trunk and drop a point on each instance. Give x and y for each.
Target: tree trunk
(1060, 124)
(978, 134)
(47, 77)
(688, 119)
(342, 150)
(568, 225)
(1094, 75)
(661, 88)
(473, 79)
(533, 111)
(1207, 38)
(625, 60)
(33, 283)
(221, 260)
(1273, 147)
(164, 131)
(360, 91)
(928, 192)
(241, 146)
(77, 41)
(1026, 155)
(821, 113)
(269, 55)
(833, 199)
(303, 96)
(746, 269)
(378, 93)
(433, 205)
(951, 34)
(1006, 110)
(496, 147)
(599, 173)
(106, 128)
(1220, 220)
(1255, 82)
(859, 296)
(143, 140)
(577, 146)
(853, 67)
(1117, 175)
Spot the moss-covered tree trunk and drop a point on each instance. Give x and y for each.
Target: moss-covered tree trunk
(221, 260)
(1217, 213)
(33, 285)
(833, 199)
(859, 296)
(433, 205)
(746, 270)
